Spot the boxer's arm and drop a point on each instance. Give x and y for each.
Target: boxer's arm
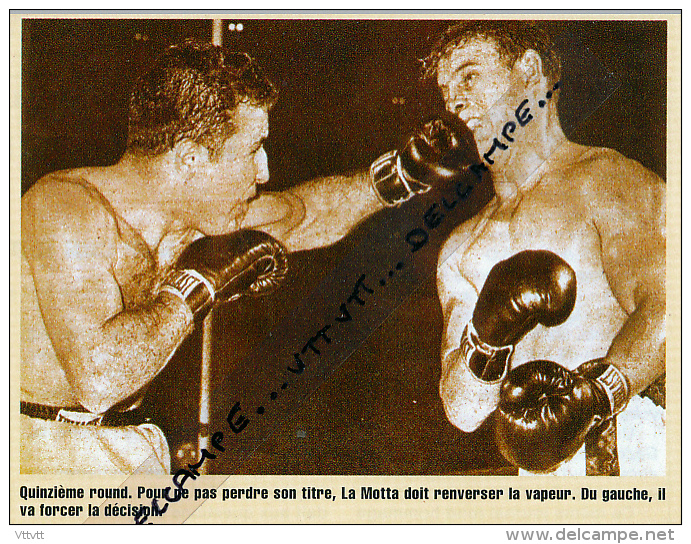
(467, 400)
(316, 213)
(630, 220)
(107, 352)
(322, 211)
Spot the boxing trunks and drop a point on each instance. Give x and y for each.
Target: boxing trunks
(641, 443)
(73, 441)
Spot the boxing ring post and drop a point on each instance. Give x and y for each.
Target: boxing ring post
(217, 32)
(205, 371)
(205, 388)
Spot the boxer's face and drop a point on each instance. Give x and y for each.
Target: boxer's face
(229, 180)
(243, 163)
(476, 83)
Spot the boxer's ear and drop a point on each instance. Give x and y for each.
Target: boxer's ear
(189, 155)
(530, 64)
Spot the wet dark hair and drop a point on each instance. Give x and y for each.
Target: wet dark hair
(192, 92)
(511, 38)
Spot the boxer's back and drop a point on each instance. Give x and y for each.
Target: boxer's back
(60, 215)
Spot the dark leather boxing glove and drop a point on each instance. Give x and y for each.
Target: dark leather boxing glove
(545, 411)
(443, 150)
(217, 269)
(530, 288)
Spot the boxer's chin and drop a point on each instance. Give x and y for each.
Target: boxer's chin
(483, 138)
(473, 124)
(222, 223)
(488, 128)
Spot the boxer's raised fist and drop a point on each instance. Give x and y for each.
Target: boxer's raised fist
(442, 150)
(217, 269)
(545, 411)
(530, 288)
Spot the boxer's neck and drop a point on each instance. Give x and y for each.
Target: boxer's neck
(529, 158)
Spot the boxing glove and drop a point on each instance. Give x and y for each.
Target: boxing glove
(530, 288)
(545, 411)
(217, 269)
(442, 150)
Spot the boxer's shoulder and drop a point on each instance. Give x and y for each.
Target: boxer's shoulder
(597, 179)
(606, 172)
(67, 190)
(63, 206)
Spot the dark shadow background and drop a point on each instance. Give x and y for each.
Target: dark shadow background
(350, 90)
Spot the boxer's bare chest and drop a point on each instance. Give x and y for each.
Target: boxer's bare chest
(538, 220)
(562, 226)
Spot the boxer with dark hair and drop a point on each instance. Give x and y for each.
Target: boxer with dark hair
(511, 39)
(191, 92)
(553, 295)
(118, 262)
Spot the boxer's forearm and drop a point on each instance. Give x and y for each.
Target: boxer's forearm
(467, 400)
(440, 152)
(320, 212)
(127, 352)
(333, 206)
(639, 347)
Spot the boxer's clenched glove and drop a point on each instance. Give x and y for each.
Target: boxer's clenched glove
(442, 150)
(530, 288)
(545, 411)
(217, 269)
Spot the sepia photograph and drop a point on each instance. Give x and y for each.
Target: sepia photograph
(343, 247)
